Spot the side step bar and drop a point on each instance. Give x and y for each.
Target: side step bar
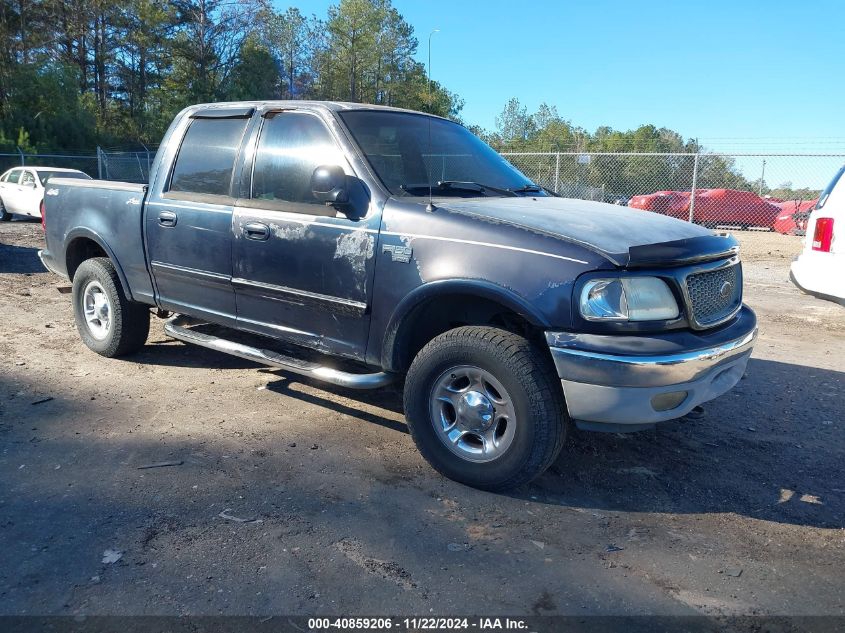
(179, 327)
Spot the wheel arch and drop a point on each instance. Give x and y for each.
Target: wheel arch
(422, 315)
(85, 244)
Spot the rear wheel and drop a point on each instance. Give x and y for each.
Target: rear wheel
(108, 322)
(485, 407)
(5, 216)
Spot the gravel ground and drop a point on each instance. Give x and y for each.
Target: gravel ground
(289, 497)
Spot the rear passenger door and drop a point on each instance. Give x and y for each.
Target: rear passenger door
(30, 194)
(302, 270)
(188, 219)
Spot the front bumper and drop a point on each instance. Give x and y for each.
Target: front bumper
(625, 383)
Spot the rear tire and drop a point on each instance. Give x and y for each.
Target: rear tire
(485, 407)
(108, 322)
(5, 216)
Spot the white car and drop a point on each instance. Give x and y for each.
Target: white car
(22, 189)
(820, 269)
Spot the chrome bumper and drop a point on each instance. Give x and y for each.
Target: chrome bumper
(607, 391)
(646, 371)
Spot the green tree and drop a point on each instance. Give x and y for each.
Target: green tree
(256, 75)
(514, 126)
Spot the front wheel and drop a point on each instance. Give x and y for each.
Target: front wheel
(485, 407)
(108, 322)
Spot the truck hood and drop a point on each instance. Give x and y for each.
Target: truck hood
(624, 236)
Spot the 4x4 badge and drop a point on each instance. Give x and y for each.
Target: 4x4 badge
(398, 253)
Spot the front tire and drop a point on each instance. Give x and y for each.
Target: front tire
(108, 322)
(485, 407)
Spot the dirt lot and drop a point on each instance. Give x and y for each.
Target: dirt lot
(740, 511)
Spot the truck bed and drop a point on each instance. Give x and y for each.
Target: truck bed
(109, 214)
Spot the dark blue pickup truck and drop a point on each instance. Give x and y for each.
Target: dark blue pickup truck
(387, 245)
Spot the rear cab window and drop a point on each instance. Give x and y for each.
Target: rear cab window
(206, 160)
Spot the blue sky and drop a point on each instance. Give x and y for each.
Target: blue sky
(739, 75)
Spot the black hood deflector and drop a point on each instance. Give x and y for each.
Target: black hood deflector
(685, 251)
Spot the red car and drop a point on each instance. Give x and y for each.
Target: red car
(793, 217)
(713, 207)
(672, 203)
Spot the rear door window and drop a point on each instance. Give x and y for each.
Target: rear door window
(15, 175)
(206, 158)
(27, 179)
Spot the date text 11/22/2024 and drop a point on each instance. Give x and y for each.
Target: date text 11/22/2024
(418, 624)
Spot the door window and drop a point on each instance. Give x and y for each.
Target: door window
(207, 156)
(27, 179)
(15, 175)
(291, 147)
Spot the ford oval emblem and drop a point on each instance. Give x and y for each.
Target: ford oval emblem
(725, 290)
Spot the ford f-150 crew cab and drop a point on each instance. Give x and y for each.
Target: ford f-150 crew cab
(392, 245)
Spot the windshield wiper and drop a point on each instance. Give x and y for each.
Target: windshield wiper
(458, 185)
(469, 185)
(528, 189)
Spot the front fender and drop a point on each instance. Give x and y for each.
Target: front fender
(446, 287)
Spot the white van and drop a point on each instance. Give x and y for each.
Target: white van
(820, 269)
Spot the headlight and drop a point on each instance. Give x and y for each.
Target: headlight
(628, 299)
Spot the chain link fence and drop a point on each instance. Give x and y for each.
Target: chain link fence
(736, 191)
(83, 162)
(121, 165)
(126, 166)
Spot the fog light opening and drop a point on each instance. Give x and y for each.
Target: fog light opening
(668, 401)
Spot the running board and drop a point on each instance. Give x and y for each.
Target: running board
(179, 327)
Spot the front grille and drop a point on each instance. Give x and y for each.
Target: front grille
(714, 295)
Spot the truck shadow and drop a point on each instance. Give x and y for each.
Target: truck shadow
(19, 259)
(767, 450)
(770, 449)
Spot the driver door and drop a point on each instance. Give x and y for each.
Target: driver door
(302, 270)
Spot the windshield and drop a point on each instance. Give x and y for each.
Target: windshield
(409, 152)
(44, 175)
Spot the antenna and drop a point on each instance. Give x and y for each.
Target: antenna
(430, 206)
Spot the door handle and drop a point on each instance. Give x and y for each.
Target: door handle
(256, 231)
(167, 218)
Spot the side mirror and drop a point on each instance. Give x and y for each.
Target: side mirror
(328, 184)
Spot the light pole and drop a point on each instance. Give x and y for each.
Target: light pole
(429, 65)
